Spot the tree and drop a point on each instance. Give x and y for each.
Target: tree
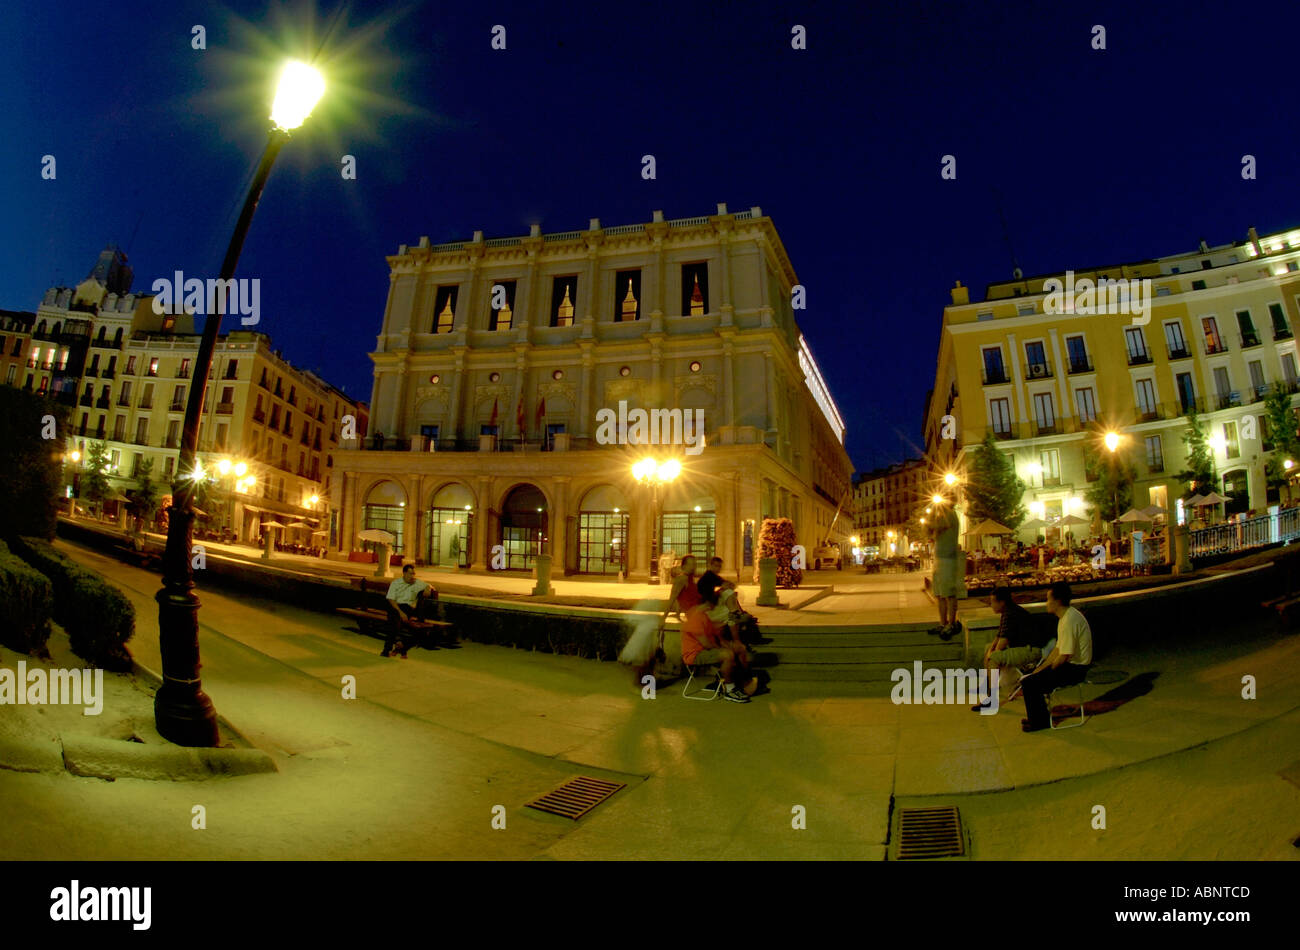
(993, 489)
(1199, 473)
(1282, 434)
(1112, 476)
(94, 480)
(32, 433)
(147, 494)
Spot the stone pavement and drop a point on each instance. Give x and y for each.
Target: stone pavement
(412, 766)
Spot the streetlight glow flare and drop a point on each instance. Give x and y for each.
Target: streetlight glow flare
(300, 88)
(1112, 441)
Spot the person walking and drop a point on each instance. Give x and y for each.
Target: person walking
(946, 579)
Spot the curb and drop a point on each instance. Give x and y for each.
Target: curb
(144, 672)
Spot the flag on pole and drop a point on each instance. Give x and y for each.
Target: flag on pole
(493, 420)
(541, 413)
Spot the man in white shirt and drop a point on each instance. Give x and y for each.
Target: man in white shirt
(404, 595)
(1066, 665)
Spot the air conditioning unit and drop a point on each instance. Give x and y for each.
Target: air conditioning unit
(1037, 370)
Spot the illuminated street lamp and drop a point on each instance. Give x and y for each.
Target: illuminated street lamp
(650, 472)
(1111, 440)
(950, 479)
(182, 711)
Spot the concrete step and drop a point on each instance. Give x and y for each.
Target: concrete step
(855, 672)
(900, 653)
(874, 638)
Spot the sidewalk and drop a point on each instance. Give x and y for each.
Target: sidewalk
(452, 732)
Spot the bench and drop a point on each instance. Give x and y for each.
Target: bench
(374, 623)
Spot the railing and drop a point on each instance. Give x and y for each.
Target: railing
(1008, 432)
(1281, 333)
(145, 404)
(1249, 533)
(1149, 414)
(992, 376)
(1227, 400)
(259, 415)
(1139, 359)
(87, 401)
(1213, 348)
(1181, 353)
(225, 408)
(177, 406)
(109, 373)
(1248, 339)
(1080, 365)
(102, 403)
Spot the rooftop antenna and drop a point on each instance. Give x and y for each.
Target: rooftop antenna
(1016, 272)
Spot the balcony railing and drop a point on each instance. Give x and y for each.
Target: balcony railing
(259, 415)
(1139, 359)
(109, 373)
(145, 404)
(102, 402)
(172, 443)
(1080, 365)
(176, 406)
(1049, 428)
(225, 408)
(124, 400)
(183, 373)
(1281, 333)
(1148, 414)
(1212, 347)
(1227, 400)
(87, 400)
(1248, 340)
(1179, 353)
(995, 375)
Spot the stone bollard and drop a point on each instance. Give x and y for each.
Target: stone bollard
(543, 587)
(381, 569)
(767, 583)
(1178, 537)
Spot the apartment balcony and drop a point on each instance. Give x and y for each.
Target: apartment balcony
(225, 408)
(1051, 481)
(109, 373)
(1038, 371)
(1227, 400)
(124, 400)
(994, 376)
(1213, 349)
(145, 404)
(1181, 353)
(259, 415)
(31, 364)
(99, 435)
(183, 374)
(102, 402)
(1139, 359)
(1148, 414)
(176, 406)
(1155, 468)
(87, 400)
(170, 443)
(1083, 365)
(1248, 340)
(1187, 405)
(1051, 428)
(1281, 333)
(81, 429)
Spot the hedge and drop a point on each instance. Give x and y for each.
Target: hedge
(595, 638)
(97, 616)
(28, 599)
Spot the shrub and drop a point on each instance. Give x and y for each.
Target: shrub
(776, 539)
(98, 617)
(28, 599)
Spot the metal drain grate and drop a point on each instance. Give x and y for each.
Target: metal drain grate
(576, 797)
(930, 833)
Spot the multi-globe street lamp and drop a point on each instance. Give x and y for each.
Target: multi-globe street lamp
(649, 471)
(182, 711)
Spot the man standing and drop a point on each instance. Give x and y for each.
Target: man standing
(946, 580)
(404, 595)
(1066, 665)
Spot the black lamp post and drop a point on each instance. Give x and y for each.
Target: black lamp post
(182, 711)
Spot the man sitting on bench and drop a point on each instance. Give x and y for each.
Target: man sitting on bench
(405, 603)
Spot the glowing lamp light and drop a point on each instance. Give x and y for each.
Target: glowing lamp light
(224, 466)
(670, 470)
(198, 470)
(1288, 464)
(297, 93)
(240, 469)
(1217, 443)
(643, 469)
(950, 479)
(1035, 468)
(313, 499)
(937, 499)
(76, 457)
(1111, 441)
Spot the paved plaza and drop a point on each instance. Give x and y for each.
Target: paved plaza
(415, 764)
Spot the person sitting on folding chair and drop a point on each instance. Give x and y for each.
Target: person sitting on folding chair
(1066, 665)
(703, 646)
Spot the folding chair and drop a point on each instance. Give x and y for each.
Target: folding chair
(1083, 716)
(702, 694)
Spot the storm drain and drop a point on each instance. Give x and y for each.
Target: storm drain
(576, 797)
(930, 833)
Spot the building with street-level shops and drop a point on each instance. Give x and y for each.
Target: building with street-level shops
(496, 358)
(1049, 386)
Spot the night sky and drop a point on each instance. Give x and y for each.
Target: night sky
(1099, 156)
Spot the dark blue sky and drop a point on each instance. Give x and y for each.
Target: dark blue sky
(1100, 156)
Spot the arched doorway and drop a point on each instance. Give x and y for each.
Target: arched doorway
(602, 532)
(688, 523)
(448, 527)
(385, 509)
(523, 526)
